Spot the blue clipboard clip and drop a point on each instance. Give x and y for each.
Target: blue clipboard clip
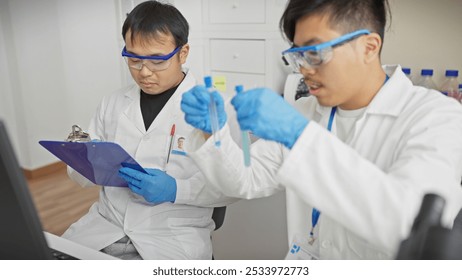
(99, 162)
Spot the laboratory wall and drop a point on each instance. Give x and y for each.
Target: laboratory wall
(61, 57)
(9, 102)
(58, 58)
(425, 34)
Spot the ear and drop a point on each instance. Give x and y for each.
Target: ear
(373, 43)
(184, 53)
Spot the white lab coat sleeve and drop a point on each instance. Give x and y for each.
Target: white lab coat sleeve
(194, 191)
(379, 206)
(197, 190)
(224, 168)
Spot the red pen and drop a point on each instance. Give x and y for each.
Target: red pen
(172, 135)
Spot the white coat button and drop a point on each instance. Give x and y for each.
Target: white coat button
(325, 244)
(146, 137)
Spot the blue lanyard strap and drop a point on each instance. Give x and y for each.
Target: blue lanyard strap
(331, 118)
(314, 220)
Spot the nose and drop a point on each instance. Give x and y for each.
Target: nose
(144, 71)
(307, 71)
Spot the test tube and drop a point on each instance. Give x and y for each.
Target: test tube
(245, 136)
(213, 111)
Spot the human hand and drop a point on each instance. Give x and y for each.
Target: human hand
(195, 104)
(268, 116)
(156, 186)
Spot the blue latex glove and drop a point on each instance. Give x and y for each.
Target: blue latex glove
(195, 105)
(155, 187)
(268, 116)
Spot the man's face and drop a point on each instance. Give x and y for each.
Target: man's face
(155, 82)
(337, 82)
(180, 143)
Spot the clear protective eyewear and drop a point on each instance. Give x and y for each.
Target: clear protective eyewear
(153, 63)
(313, 56)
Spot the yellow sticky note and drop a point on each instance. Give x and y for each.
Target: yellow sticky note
(219, 82)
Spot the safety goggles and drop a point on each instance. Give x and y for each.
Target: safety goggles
(313, 56)
(153, 63)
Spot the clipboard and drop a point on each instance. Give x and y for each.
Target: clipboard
(99, 162)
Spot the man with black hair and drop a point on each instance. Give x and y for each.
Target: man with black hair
(357, 156)
(166, 214)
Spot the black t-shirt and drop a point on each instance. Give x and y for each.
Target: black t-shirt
(151, 105)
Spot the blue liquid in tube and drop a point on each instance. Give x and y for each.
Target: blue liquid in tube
(213, 112)
(245, 136)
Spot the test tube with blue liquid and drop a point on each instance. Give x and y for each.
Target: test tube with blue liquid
(244, 135)
(213, 111)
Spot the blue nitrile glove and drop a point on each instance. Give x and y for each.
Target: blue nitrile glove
(155, 187)
(268, 116)
(195, 105)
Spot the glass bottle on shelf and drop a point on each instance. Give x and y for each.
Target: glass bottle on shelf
(450, 85)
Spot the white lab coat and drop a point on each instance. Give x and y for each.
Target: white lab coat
(163, 231)
(368, 189)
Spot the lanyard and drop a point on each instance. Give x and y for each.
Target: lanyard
(316, 213)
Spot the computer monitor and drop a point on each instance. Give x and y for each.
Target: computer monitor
(21, 234)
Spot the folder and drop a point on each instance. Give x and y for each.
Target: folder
(99, 162)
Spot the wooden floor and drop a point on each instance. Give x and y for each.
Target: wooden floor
(60, 201)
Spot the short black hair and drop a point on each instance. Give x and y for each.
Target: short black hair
(152, 17)
(344, 15)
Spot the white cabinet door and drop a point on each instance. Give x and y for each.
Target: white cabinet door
(237, 11)
(245, 56)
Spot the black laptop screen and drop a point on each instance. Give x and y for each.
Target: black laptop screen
(21, 235)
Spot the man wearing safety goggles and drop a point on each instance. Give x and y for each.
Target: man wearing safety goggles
(314, 56)
(357, 156)
(165, 213)
(153, 63)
